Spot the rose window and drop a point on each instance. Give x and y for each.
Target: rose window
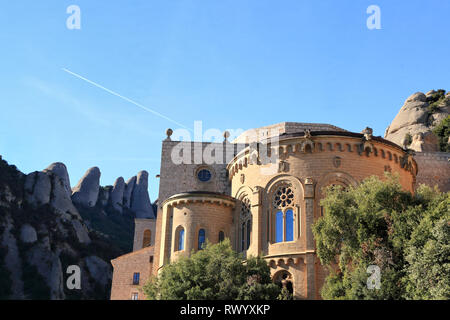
(283, 197)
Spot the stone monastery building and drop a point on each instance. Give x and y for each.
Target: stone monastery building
(264, 196)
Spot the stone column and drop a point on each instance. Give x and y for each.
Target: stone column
(310, 276)
(310, 245)
(166, 234)
(257, 223)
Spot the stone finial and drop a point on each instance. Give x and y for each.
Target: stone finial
(169, 132)
(307, 134)
(226, 135)
(283, 166)
(367, 133)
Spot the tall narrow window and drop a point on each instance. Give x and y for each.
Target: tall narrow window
(249, 231)
(181, 240)
(289, 225)
(201, 238)
(246, 224)
(243, 237)
(136, 278)
(147, 238)
(283, 219)
(221, 236)
(279, 227)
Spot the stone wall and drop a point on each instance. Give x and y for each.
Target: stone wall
(125, 266)
(192, 212)
(434, 169)
(181, 177)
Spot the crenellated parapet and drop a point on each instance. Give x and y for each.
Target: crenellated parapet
(301, 144)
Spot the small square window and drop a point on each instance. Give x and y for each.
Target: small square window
(136, 278)
(134, 296)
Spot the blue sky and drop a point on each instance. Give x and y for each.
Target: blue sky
(231, 64)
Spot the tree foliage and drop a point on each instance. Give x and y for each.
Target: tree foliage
(377, 223)
(214, 273)
(442, 131)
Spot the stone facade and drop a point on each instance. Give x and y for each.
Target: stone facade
(257, 184)
(144, 233)
(434, 169)
(125, 267)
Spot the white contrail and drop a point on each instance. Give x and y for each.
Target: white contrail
(125, 98)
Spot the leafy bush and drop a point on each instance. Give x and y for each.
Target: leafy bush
(435, 100)
(214, 273)
(408, 139)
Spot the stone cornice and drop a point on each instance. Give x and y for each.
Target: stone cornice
(200, 197)
(324, 141)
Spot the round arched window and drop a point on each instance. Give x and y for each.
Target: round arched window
(204, 175)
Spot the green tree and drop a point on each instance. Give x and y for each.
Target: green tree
(428, 253)
(442, 131)
(214, 273)
(378, 223)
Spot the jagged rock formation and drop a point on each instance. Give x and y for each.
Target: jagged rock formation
(128, 191)
(132, 195)
(28, 234)
(140, 201)
(11, 259)
(420, 114)
(414, 128)
(86, 191)
(42, 233)
(81, 232)
(60, 170)
(38, 188)
(45, 227)
(48, 265)
(50, 187)
(117, 194)
(99, 269)
(103, 196)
